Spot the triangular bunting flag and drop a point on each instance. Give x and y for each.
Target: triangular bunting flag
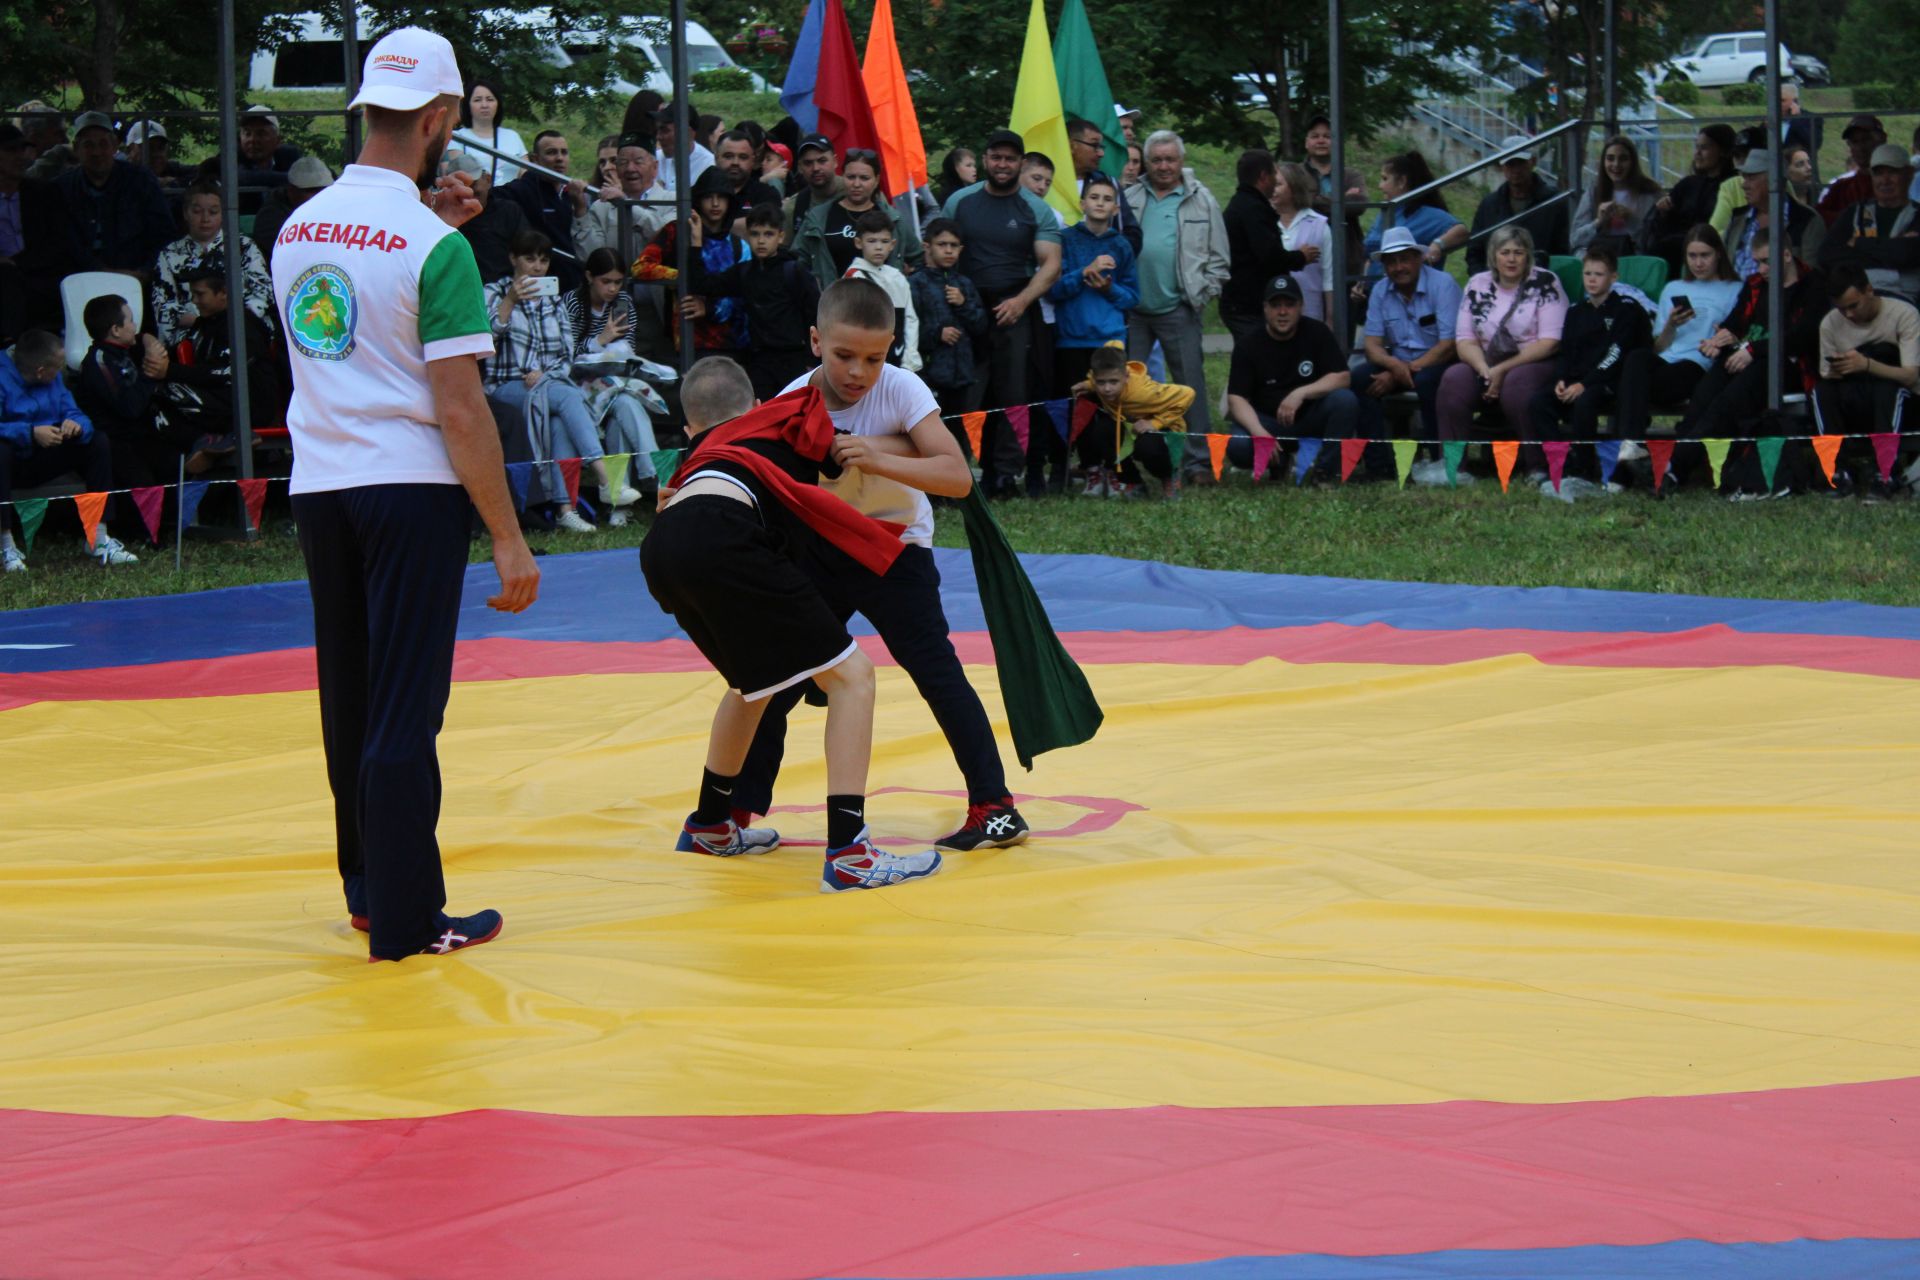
(1609, 453)
(975, 425)
(148, 502)
(1828, 447)
(90, 505)
(1017, 419)
(616, 465)
(519, 475)
(1351, 452)
(1769, 447)
(1061, 411)
(190, 495)
(255, 494)
(1403, 451)
(1451, 452)
(1716, 457)
(1659, 454)
(1505, 454)
(1217, 453)
(570, 477)
(1556, 451)
(1083, 411)
(1177, 449)
(585, 509)
(1263, 447)
(1303, 460)
(665, 463)
(31, 512)
(1886, 451)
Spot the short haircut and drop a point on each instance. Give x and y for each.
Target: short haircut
(1512, 233)
(385, 120)
(1295, 179)
(736, 135)
(1164, 138)
(36, 349)
(716, 390)
(943, 227)
(1099, 179)
(203, 187)
(543, 135)
(1076, 126)
(1036, 160)
(768, 213)
(1107, 360)
(531, 243)
(856, 304)
(1600, 253)
(1761, 240)
(102, 313)
(872, 222)
(210, 271)
(1845, 276)
(1253, 166)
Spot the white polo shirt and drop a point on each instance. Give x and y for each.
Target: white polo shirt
(893, 406)
(371, 285)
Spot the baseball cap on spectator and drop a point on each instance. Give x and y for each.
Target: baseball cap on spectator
(780, 149)
(11, 137)
(814, 142)
(260, 112)
(1759, 160)
(1321, 119)
(1285, 286)
(141, 130)
(1889, 156)
(1005, 138)
(407, 69)
(1513, 140)
(310, 173)
(1398, 240)
(1121, 113)
(91, 120)
(1870, 123)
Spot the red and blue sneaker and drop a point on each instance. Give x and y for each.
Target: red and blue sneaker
(457, 933)
(725, 839)
(862, 865)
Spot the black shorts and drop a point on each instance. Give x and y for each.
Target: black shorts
(714, 566)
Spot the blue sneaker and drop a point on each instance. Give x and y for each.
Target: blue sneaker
(457, 933)
(726, 839)
(861, 865)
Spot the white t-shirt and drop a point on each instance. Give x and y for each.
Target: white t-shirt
(1310, 227)
(504, 139)
(893, 406)
(370, 286)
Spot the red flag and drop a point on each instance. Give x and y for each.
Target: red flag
(1350, 453)
(1017, 419)
(255, 493)
(1659, 453)
(1886, 452)
(1263, 447)
(570, 476)
(1556, 451)
(91, 505)
(1083, 411)
(841, 92)
(148, 502)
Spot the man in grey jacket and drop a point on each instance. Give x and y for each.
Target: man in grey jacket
(1183, 266)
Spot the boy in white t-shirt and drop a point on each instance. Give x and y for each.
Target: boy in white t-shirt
(896, 452)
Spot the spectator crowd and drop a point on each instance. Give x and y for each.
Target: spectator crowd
(1577, 321)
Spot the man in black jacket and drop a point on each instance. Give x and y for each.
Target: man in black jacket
(1525, 194)
(36, 243)
(119, 216)
(118, 385)
(492, 230)
(1601, 331)
(1255, 251)
(1881, 234)
(551, 205)
(199, 385)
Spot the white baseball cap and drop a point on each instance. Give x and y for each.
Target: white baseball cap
(260, 111)
(144, 129)
(1123, 112)
(406, 70)
(1513, 140)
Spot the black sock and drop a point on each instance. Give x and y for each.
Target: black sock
(845, 816)
(716, 798)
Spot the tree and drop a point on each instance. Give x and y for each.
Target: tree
(1865, 54)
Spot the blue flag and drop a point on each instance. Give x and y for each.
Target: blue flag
(519, 475)
(796, 95)
(1304, 460)
(1609, 451)
(1061, 411)
(190, 495)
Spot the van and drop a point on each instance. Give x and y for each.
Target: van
(651, 38)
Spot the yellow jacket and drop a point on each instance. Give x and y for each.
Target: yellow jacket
(1164, 404)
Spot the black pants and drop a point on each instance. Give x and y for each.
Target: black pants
(91, 460)
(385, 565)
(1373, 413)
(904, 607)
(1010, 353)
(150, 455)
(1648, 382)
(1723, 401)
(1550, 419)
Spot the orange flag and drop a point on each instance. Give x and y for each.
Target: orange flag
(1828, 447)
(1505, 452)
(903, 154)
(1217, 453)
(91, 505)
(976, 425)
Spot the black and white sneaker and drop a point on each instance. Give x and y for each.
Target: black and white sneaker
(988, 826)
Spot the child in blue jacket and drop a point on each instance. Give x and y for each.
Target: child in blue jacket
(1099, 283)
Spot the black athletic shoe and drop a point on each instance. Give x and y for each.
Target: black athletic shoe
(988, 826)
(457, 933)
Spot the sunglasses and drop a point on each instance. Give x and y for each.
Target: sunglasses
(862, 153)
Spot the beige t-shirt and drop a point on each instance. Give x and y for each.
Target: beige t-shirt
(1898, 323)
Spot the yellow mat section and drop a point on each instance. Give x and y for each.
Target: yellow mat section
(1345, 884)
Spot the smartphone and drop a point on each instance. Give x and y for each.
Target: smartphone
(1681, 302)
(546, 287)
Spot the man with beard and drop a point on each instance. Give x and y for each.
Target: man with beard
(394, 449)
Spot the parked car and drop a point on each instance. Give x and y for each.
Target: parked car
(1740, 57)
(651, 38)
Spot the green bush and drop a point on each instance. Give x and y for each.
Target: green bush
(722, 80)
(1744, 95)
(1680, 92)
(1875, 97)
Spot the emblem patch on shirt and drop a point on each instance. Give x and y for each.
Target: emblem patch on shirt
(1305, 369)
(322, 312)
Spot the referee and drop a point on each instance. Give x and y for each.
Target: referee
(394, 446)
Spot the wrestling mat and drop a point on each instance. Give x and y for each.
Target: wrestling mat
(1386, 930)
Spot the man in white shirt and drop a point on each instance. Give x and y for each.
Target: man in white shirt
(699, 160)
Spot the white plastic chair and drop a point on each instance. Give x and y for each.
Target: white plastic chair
(82, 287)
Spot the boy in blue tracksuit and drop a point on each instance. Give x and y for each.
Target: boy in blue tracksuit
(43, 435)
(1099, 283)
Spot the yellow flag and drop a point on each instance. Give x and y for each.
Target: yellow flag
(1038, 116)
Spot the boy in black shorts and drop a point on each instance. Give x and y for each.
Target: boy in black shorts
(720, 558)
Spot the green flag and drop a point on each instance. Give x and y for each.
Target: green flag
(664, 461)
(1084, 92)
(1176, 449)
(1049, 703)
(1453, 451)
(1769, 449)
(31, 512)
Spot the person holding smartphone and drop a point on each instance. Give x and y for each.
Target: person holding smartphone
(1691, 309)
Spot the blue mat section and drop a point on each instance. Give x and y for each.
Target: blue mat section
(599, 596)
(1677, 1260)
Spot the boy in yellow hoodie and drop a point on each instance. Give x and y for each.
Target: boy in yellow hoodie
(1127, 399)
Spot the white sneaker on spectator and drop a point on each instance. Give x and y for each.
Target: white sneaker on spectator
(1574, 488)
(108, 549)
(11, 561)
(618, 518)
(1433, 472)
(626, 497)
(573, 523)
(1632, 451)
